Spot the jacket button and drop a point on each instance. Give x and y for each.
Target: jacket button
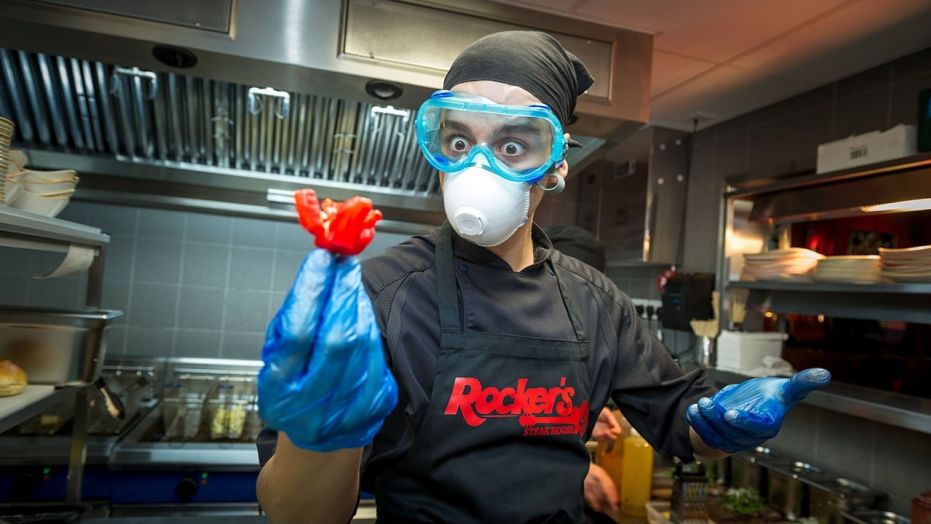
(464, 268)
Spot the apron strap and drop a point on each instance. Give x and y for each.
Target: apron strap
(447, 297)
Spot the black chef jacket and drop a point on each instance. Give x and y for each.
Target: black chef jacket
(628, 364)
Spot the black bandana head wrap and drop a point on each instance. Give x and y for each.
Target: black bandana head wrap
(531, 60)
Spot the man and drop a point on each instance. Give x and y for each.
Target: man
(501, 350)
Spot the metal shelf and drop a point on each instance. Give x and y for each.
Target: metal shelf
(21, 225)
(904, 302)
(833, 288)
(17, 409)
(903, 411)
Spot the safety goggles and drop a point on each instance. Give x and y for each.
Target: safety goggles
(518, 143)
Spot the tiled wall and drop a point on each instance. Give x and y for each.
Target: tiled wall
(189, 284)
(782, 139)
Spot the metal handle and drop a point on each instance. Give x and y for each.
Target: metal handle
(255, 104)
(136, 73)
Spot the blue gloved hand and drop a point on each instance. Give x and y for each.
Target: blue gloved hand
(743, 416)
(325, 382)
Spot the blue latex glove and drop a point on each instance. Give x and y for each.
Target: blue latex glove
(743, 416)
(325, 382)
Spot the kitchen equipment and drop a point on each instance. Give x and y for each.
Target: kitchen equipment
(788, 487)
(748, 468)
(689, 494)
(742, 352)
(875, 517)
(54, 346)
(867, 148)
(830, 499)
(687, 297)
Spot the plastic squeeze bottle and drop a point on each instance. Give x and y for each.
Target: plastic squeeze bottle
(637, 475)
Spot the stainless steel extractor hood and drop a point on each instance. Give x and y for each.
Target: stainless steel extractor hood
(224, 100)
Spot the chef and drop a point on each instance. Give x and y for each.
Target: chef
(493, 354)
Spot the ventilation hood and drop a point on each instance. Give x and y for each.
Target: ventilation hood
(224, 100)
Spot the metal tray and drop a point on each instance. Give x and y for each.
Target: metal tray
(55, 346)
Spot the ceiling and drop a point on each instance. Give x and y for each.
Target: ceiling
(716, 59)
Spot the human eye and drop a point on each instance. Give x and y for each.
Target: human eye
(512, 148)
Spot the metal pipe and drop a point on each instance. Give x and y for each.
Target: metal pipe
(88, 134)
(92, 102)
(58, 125)
(108, 118)
(20, 111)
(71, 111)
(32, 94)
(78, 449)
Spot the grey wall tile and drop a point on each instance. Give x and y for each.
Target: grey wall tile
(152, 305)
(247, 346)
(246, 310)
(119, 261)
(115, 296)
(738, 123)
(286, 265)
(74, 212)
(798, 437)
(215, 229)
(248, 232)
(44, 262)
(205, 264)
(915, 64)
(845, 445)
(149, 341)
(157, 261)
(116, 341)
(291, 236)
(702, 172)
(159, 223)
(789, 145)
(196, 343)
(251, 268)
(201, 308)
(730, 155)
(116, 220)
(904, 108)
(66, 293)
(13, 289)
(868, 80)
(805, 102)
(14, 261)
(861, 113)
(902, 464)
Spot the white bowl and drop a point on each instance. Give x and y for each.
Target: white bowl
(46, 183)
(38, 204)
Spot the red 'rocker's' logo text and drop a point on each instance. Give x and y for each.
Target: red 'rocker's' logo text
(541, 411)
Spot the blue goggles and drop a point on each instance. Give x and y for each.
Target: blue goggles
(518, 143)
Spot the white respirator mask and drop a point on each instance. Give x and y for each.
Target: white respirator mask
(484, 208)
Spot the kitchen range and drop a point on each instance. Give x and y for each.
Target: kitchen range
(212, 307)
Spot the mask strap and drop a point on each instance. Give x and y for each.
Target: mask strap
(556, 188)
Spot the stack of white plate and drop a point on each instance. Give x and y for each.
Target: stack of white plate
(856, 269)
(793, 264)
(742, 352)
(911, 264)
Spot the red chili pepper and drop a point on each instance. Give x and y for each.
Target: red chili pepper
(342, 228)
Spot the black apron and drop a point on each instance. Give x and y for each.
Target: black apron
(503, 439)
